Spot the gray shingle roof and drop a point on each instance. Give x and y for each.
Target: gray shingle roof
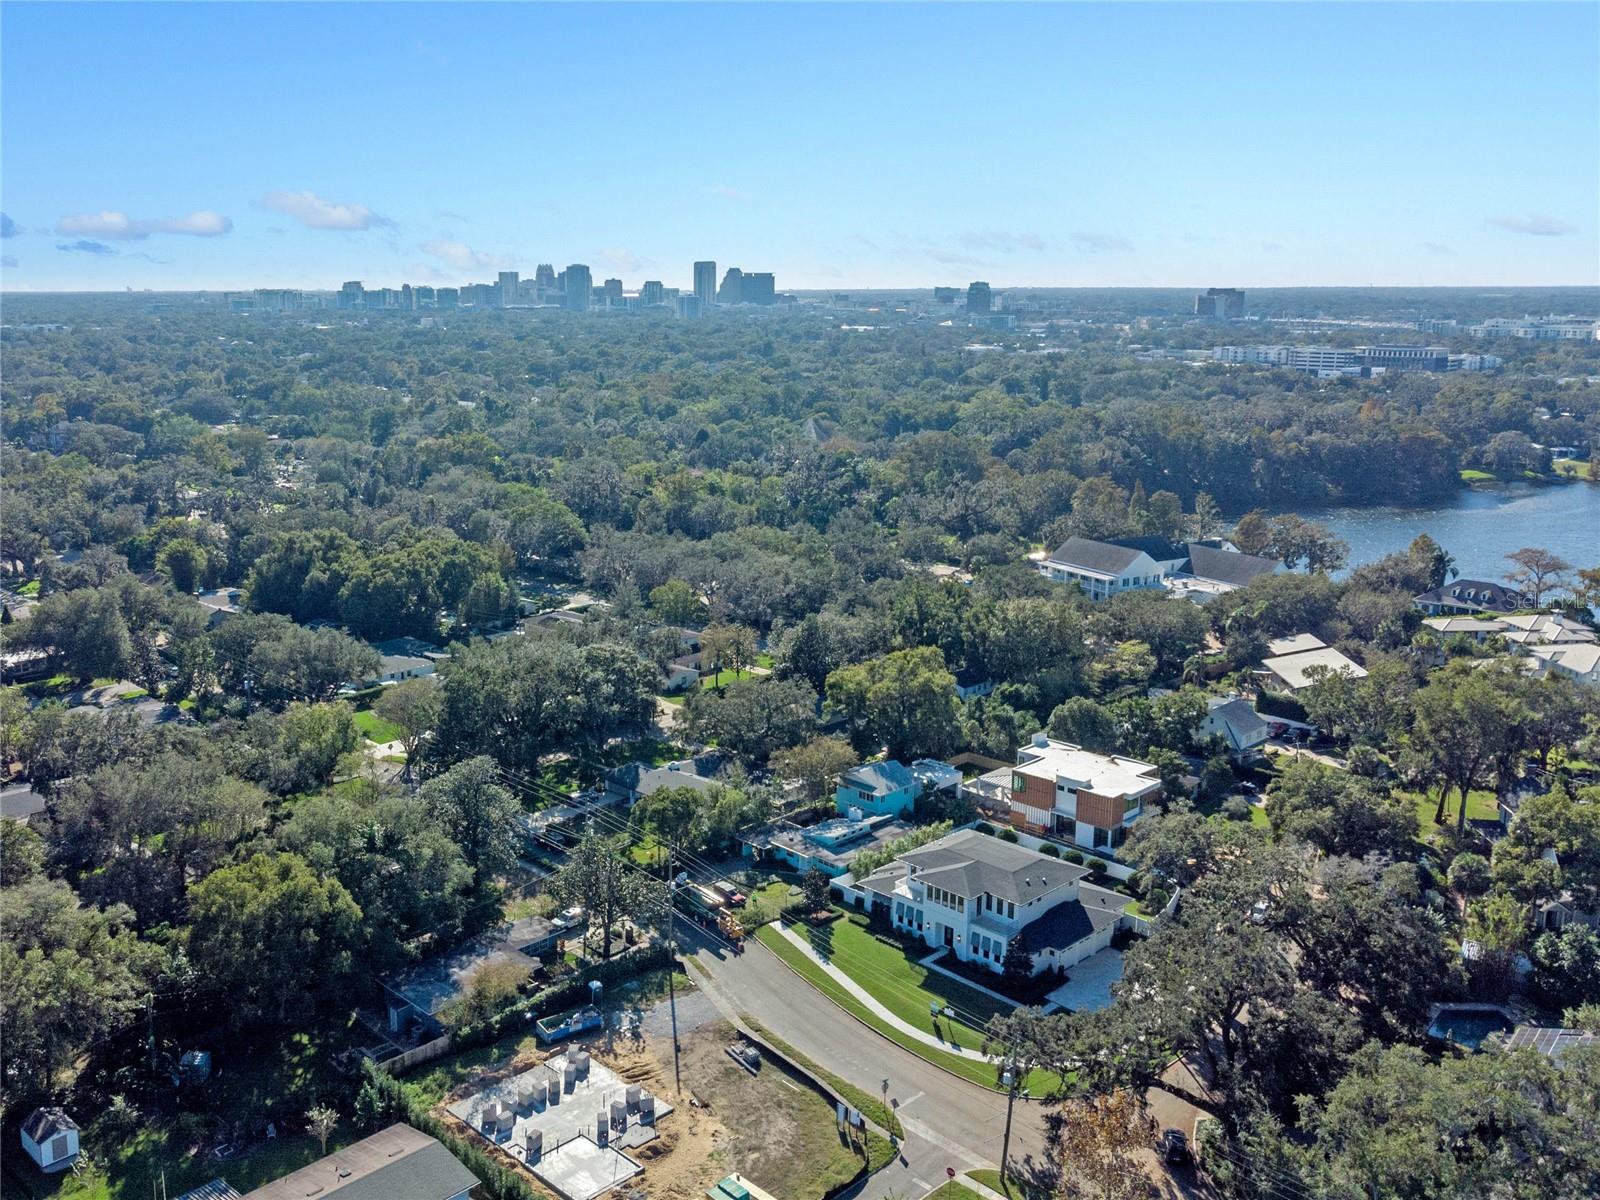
(969, 863)
(44, 1123)
(399, 1163)
(1103, 557)
(879, 778)
(1228, 566)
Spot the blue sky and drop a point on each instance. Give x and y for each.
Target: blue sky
(230, 145)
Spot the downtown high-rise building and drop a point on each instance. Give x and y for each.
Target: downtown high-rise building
(705, 283)
(758, 287)
(509, 284)
(1220, 304)
(578, 283)
(612, 290)
(653, 292)
(979, 299)
(732, 289)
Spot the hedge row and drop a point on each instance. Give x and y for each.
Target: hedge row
(387, 1098)
(569, 993)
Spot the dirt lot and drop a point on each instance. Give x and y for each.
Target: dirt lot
(769, 1127)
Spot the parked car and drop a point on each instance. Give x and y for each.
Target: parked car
(731, 894)
(1175, 1146)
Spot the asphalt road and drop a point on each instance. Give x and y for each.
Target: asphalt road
(949, 1121)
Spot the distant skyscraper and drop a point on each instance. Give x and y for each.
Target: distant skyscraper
(688, 306)
(351, 294)
(447, 298)
(544, 276)
(1220, 304)
(758, 288)
(944, 295)
(613, 292)
(732, 289)
(578, 286)
(979, 299)
(510, 282)
(705, 283)
(652, 292)
(408, 298)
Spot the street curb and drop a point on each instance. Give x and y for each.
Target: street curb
(869, 1025)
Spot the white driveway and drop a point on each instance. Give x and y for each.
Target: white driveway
(1088, 986)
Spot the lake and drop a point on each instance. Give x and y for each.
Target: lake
(1481, 526)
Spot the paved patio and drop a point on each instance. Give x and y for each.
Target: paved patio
(1088, 987)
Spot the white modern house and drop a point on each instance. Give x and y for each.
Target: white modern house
(1060, 790)
(976, 895)
(50, 1138)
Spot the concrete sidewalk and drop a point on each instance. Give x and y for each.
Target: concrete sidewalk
(873, 1005)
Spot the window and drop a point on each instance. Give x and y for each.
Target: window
(58, 1149)
(1017, 783)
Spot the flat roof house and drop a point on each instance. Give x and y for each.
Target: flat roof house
(976, 896)
(398, 1163)
(829, 846)
(420, 993)
(1064, 791)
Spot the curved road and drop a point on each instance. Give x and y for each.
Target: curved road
(949, 1121)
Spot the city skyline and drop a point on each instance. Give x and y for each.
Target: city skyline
(851, 147)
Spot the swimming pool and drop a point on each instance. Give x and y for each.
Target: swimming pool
(1467, 1025)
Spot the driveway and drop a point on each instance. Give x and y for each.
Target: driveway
(1088, 985)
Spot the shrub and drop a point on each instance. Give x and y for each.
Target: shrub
(1156, 900)
(984, 827)
(1072, 856)
(1236, 808)
(1008, 835)
(1097, 868)
(1051, 849)
(1136, 883)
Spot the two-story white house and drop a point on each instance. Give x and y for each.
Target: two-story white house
(975, 895)
(1103, 569)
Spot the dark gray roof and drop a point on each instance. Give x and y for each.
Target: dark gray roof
(969, 863)
(20, 802)
(1157, 548)
(1104, 557)
(45, 1123)
(399, 1163)
(1477, 595)
(1062, 927)
(1227, 566)
(1552, 1043)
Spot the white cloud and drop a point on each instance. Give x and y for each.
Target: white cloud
(1099, 243)
(621, 259)
(1535, 224)
(462, 256)
(312, 211)
(121, 227)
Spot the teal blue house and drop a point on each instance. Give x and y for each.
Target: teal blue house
(877, 789)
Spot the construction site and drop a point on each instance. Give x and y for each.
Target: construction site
(612, 1114)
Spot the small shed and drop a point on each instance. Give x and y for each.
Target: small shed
(51, 1139)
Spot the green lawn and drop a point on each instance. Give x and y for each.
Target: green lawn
(1480, 807)
(899, 997)
(375, 728)
(766, 902)
(953, 1189)
(1258, 816)
(1571, 468)
(1471, 475)
(899, 982)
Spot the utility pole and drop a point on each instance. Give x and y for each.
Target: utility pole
(1009, 1078)
(886, 1112)
(672, 961)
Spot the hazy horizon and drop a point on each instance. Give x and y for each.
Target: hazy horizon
(1079, 145)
